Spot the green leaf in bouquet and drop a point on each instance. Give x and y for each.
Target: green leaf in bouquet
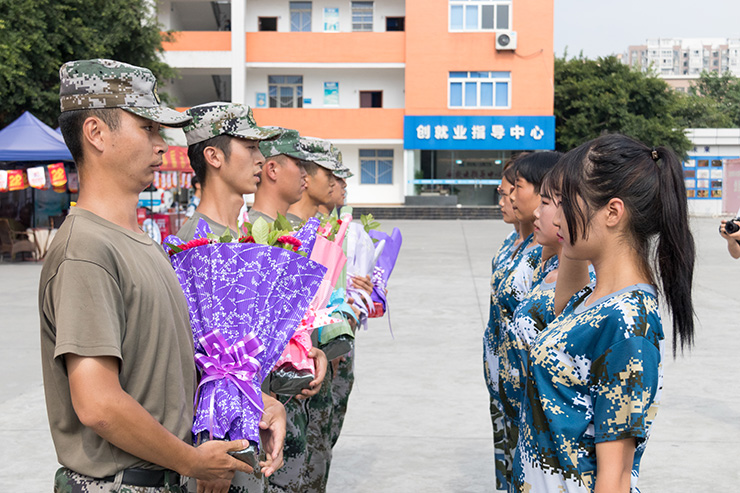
(282, 223)
(212, 236)
(247, 229)
(174, 248)
(273, 236)
(261, 231)
(226, 237)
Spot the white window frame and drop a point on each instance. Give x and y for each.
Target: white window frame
(301, 12)
(297, 101)
(375, 159)
(492, 79)
(372, 17)
(479, 4)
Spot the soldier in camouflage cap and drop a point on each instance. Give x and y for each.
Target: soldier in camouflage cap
(214, 119)
(100, 83)
(320, 182)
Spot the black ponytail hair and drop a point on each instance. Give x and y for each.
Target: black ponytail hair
(650, 183)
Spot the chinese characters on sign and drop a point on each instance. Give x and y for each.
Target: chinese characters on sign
(479, 132)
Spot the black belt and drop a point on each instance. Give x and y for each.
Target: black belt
(147, 477)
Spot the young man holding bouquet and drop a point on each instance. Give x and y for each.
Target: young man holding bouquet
(224, 151)
(117, 352)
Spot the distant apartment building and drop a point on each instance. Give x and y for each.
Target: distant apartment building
(421, 96)
(686, 57)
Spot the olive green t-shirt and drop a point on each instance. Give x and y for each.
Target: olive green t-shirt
(107, 291)
(187, 231)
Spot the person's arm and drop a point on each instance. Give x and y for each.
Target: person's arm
(572, 277)
(732, 240)
(272, 433)
(103, 406)
(320, 362)
(614, 466)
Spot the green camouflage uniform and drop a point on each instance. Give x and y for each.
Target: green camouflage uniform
(290, 477)
(318, 458)
(68, 481)
(341, 386)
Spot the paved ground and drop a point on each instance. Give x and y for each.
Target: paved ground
(418, 415)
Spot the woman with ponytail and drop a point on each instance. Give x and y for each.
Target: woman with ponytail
(595, 373)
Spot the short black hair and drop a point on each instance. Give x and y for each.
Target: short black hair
(533, 167)
(70, 123)
(198, 160)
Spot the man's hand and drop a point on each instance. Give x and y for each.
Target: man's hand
(727, 236)
(214, 463)
(335, 364)
(363, 283)
(272, 434)
(320, 362)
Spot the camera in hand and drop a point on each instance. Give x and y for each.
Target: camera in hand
(731, 227)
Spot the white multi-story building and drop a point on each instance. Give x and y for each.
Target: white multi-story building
(686, 56)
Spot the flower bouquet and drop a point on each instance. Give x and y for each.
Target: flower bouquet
(245, 298)
(384, 267)
(362, 255)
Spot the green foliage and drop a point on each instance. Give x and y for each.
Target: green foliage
(38, 36)
(712, 102)
(594, 97)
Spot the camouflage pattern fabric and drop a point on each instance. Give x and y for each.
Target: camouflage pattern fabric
(290, 143)
(326, 158)
(341, 386)
(213, 119)
(101, 83)
(593, 375)
(290, 477)
(68, 481)
(320, 410)
(502, 461)
(341, 171)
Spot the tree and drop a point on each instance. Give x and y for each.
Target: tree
(712, 102)
(593, 97)
(38, 36)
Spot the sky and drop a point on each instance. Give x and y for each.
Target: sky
(602, 27)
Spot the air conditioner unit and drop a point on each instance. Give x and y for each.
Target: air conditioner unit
(506, 40)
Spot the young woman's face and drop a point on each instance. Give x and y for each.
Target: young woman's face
(506, 210)
(583, 249)
(524, 200)
(545, 231)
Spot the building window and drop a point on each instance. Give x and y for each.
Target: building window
(480, 89)
(480, 15)
(371, 99)
(286, 91)
(300, 16)
(362, 16)
(267, 23)
(395, 23)
(376, 166)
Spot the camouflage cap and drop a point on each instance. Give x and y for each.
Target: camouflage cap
(214, 119)
(342, 171)
(322, 153)
(100, 83)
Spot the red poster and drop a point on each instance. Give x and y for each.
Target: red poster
(17, 180)
(58, 175)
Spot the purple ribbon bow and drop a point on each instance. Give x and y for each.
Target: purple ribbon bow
(235, 363)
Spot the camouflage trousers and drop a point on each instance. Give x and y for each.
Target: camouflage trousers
(320, 411)
(341, 386)
(242, 483)
(68, 481)
(290, 477)
(503, 462)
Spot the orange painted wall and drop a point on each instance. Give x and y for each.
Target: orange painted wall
(334, 123)
(432, 52)
(199, 41)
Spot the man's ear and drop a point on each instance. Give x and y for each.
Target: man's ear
(95, 133)
(214, 156)
(270, 168)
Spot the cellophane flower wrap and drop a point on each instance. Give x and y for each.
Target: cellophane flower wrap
(245, 301)
(385, 264)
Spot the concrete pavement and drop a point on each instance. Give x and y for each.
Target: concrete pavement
(418, 418)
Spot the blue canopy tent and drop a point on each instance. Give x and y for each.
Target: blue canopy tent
(31, 142)
(29, 139)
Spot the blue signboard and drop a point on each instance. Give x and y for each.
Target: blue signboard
(514, 133)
